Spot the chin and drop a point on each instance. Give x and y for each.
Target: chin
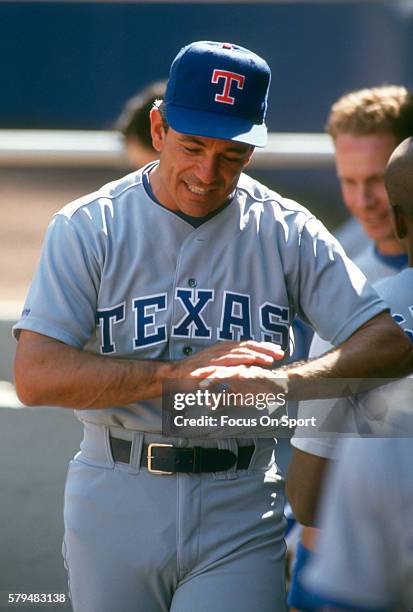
(378, 233)
(192, 210)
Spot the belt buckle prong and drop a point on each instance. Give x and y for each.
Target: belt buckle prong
(150, 457)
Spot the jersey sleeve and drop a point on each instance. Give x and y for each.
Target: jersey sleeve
(320, 446)
(334, 295)
(353, 562)
(61, 302)
(314, 440)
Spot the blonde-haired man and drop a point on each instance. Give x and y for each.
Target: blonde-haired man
(366, 126)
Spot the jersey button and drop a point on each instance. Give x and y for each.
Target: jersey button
(187, 350)
(192, 282)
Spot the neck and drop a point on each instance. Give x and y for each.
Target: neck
(153, 176)
(390, 247)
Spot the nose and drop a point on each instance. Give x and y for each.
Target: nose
(364, 198)
(207, 170)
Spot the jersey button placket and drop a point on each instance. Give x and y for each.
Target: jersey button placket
(187, 350)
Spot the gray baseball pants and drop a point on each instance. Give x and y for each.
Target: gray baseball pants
(138, 542)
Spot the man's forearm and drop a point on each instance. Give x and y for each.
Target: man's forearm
(304, 481)
(378, 350)
(49, 372)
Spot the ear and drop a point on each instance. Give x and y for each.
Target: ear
(252, 149)
(399, 222)
(157, 129)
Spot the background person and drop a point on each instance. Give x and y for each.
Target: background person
(366, 126)
(135, 126)
(364, 555)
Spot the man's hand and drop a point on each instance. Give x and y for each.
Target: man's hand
(243, 379)
(227, 357)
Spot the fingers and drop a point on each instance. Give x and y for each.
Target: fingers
(207, 372)
(250, 353)
(241, 372)
(211, 376)
(220, 373)
(230, 354)
(241, 378)
(240, 357)
(267, 348)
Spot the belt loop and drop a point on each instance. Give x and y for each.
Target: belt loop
(136, 452)
(231, 474)
(108, 452)
(254, 454)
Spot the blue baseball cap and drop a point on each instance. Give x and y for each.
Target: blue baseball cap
(218, 90)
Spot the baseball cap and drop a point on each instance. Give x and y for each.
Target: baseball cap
(218, 90)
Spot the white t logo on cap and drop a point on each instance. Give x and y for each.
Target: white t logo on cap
(228, 77)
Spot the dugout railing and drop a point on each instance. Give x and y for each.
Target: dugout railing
(92, 148)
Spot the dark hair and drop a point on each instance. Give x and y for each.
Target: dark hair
(133, 121)
(160, 105)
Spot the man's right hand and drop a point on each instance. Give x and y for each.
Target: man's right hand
(228, 353)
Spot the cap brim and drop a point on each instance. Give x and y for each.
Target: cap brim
(215, 125)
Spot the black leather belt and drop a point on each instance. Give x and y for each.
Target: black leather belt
(168, 459)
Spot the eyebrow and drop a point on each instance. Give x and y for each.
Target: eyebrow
(197, 141)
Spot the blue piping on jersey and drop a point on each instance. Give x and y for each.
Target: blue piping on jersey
(194, 221)
(398, 262)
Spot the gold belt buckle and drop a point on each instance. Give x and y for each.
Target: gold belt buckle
(150, 457)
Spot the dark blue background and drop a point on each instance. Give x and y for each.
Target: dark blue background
(69, 65)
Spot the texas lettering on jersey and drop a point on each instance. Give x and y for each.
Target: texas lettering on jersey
(235, 322)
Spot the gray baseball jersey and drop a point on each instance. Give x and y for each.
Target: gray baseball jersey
(122, 276)
(398, 294)
(352, 237)
(374, 266)
(364, 558)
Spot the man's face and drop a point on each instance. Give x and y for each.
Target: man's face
(196, 174)
(361, 162)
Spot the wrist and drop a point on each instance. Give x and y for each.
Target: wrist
(167, 370)
(279, 381)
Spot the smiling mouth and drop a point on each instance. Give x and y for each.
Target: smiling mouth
(376, 222)
(197, 190)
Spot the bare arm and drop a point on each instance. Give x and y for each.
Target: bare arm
(304, 483)
(50, 372)
(378, 349)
